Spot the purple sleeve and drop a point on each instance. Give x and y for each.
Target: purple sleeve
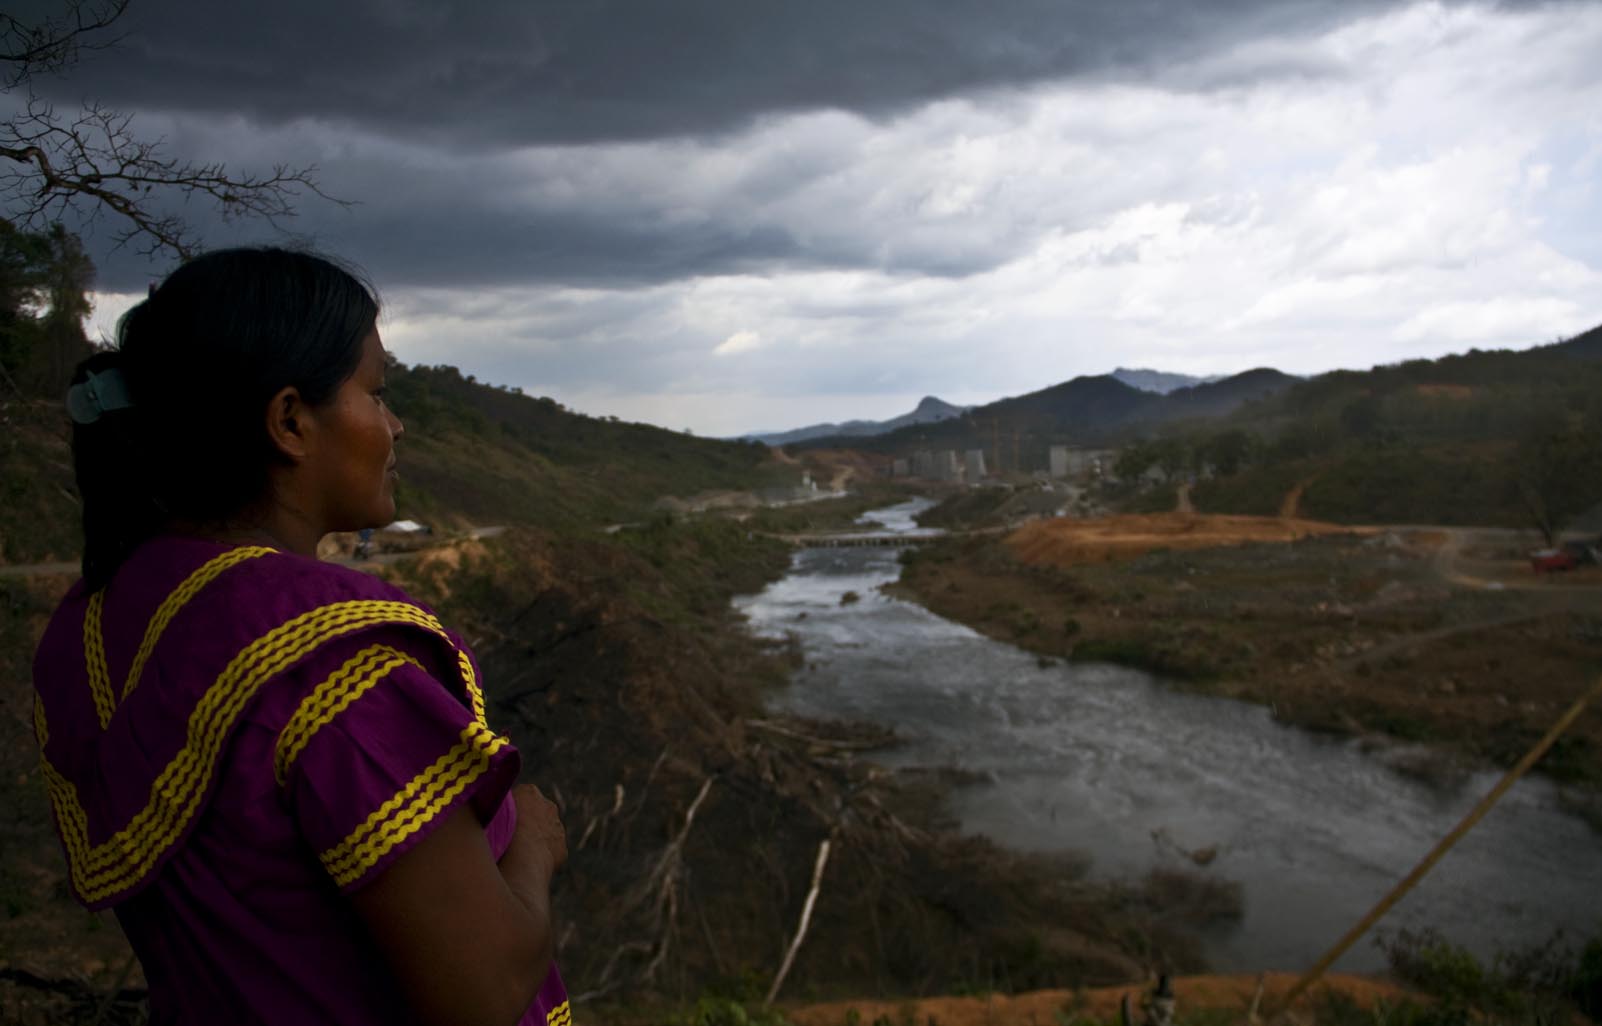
(378, 752)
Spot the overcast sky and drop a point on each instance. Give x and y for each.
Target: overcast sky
(728, 215)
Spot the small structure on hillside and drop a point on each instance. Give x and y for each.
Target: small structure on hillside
(936, 466)
(1071, 461)
(408, 527)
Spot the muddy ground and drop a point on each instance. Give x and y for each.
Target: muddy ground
(1444, 638)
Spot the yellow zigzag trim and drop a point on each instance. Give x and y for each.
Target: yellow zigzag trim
(561, 1015)
(102, 870)
(474, 693)
(411, 808)
(41, 730)
(94, 654)
(180, 596)
(332, 697)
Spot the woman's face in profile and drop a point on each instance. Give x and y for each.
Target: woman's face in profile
(353, 472)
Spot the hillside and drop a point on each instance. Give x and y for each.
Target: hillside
(1503, 437)
(1585, 346)
(472, 453)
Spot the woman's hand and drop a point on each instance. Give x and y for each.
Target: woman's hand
(537, 851)
(470, 940)
(539, 834)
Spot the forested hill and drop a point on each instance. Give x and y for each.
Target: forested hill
(1497, 437)
(472, 453)
(1471, 397)
(1587, 346)
(494, 455)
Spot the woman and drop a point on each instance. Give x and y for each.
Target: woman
(277, 771)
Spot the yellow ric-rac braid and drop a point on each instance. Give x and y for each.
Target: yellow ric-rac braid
(103, 870)
(561, 1015)
(180, 596)
(475, 694)
(413, 806)
(332, 697)
(94, 654)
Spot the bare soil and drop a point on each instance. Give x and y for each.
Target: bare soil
(1063, 542)
(1193, 995)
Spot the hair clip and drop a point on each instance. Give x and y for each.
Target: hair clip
(97, 394)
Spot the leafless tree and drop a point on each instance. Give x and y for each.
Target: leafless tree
(90, 160)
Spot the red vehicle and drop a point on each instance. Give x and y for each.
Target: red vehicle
(1546, 561)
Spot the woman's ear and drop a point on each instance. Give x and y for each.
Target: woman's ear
(288, 424)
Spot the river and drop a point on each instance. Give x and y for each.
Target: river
(1107, 761)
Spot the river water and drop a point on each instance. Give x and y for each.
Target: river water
(1106, 761)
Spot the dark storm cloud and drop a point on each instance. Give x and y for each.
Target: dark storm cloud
(456, 84)
(613, 215)
(498, 72)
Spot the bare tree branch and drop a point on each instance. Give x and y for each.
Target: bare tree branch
(53, 42)
(90, 162)
(94, 164)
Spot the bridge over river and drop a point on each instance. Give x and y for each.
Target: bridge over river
(879, 540)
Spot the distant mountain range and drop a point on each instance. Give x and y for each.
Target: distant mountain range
(929, 411)
(1091, 410)
(1113, 409)
(1161, 382)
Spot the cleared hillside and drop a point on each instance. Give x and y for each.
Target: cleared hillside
(472, 453)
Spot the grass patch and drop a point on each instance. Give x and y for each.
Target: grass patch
(1142, 654)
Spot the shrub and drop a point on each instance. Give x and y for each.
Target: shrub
(1539, 985)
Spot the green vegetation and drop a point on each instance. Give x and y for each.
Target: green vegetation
(1546, 984)
(490, 455)
(44, 282)
(1163, 656)
(472, 455)
(1500, 438)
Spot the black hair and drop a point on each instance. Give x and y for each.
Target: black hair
(201, 357)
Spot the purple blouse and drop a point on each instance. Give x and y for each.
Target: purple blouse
(235, 738)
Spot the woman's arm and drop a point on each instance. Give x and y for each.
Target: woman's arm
(470, 939)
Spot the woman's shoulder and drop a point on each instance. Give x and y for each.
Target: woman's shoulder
(257, 575)
(217, 595)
